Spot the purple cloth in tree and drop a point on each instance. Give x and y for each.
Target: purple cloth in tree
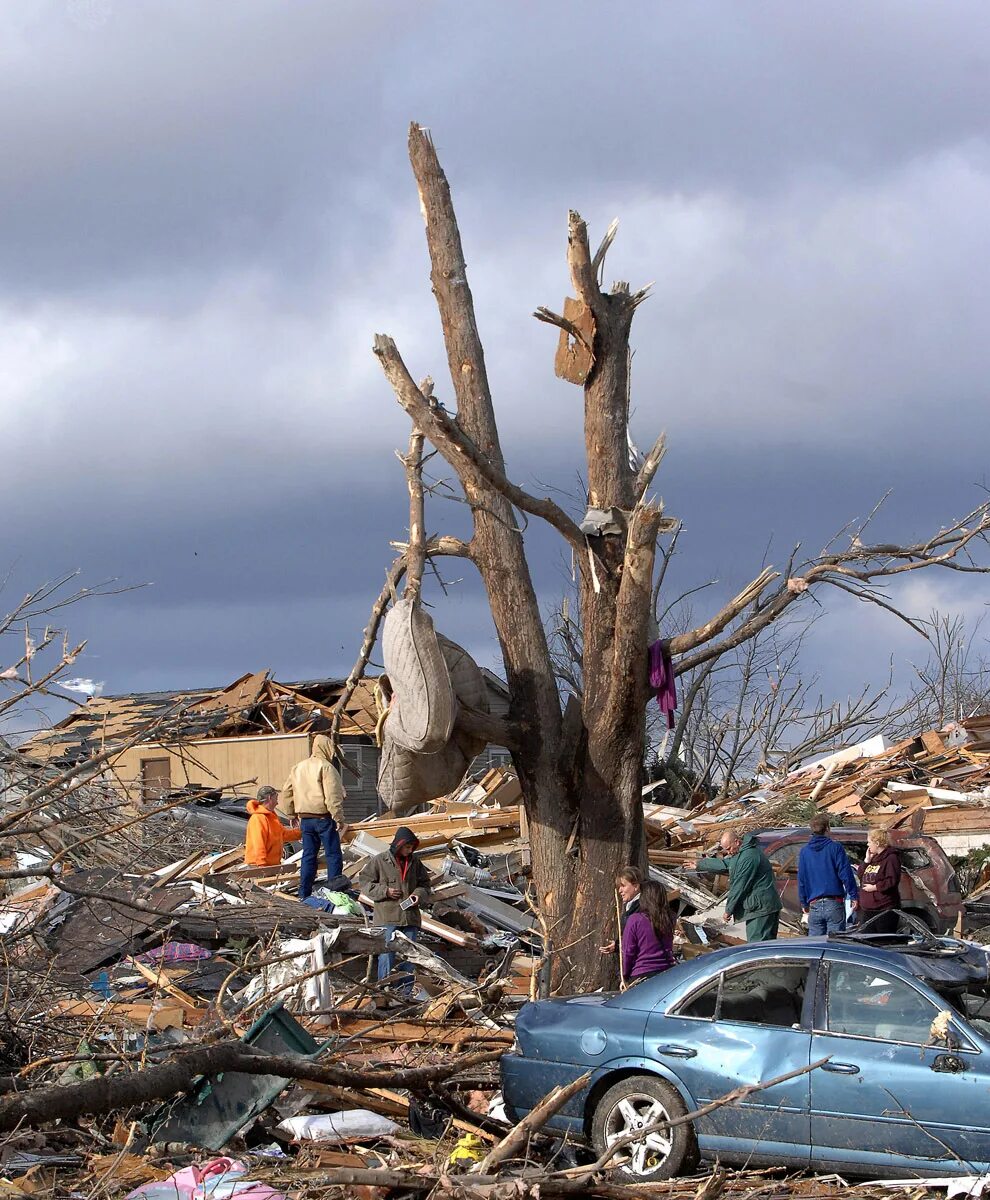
(662, 680)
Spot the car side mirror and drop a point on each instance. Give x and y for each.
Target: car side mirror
(949, 1064)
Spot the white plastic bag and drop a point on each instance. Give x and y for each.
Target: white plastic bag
(352, 1125)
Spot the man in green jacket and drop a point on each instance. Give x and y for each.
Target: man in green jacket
(752, 896)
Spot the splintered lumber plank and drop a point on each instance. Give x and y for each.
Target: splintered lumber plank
(440, 823)
(933, 742)
(161, 981)
(157, 1016)
(441, 1033)
(177, 870)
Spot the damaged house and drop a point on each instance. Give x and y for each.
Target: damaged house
(232, 739)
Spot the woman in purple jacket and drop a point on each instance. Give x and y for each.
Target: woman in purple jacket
(648, 936)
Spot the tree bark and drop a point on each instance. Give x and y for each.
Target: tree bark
(94, 1097)
(497, 543)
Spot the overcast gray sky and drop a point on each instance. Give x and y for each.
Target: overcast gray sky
(207, 212)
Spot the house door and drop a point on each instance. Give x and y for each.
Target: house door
(156, 778)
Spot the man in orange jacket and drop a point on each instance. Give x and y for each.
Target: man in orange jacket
(265, 832)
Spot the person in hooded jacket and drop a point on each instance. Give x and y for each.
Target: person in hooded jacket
(266, 835)
(391, 879)
(752, 896)
(825, 879)
(314, 795)
(880, 884)
(648, 935)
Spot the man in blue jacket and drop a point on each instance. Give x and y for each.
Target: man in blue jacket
(825, 878)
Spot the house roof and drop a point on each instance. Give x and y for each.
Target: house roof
(253, 705)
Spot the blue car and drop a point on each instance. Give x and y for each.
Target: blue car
(903, 1020)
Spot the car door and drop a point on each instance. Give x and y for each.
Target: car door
(889, 1099)
(745, 1026)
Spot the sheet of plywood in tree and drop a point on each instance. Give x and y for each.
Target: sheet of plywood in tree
(574, 358)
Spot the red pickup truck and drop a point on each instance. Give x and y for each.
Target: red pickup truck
(929, 888)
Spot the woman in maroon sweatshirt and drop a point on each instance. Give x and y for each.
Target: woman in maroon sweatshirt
(648, 935)
(880, 884)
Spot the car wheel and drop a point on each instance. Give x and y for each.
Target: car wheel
(631, 1104)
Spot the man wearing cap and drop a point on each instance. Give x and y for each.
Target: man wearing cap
(266, 834)
(399, 884)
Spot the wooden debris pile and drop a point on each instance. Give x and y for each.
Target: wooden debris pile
(935, 782)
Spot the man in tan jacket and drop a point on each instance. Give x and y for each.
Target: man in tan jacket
(314, 795)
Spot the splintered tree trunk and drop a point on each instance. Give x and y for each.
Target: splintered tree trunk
(579, 770)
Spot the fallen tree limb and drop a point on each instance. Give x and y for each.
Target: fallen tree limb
(535, 1119)
(95, 1097)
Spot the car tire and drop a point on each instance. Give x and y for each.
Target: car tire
(646, 1099)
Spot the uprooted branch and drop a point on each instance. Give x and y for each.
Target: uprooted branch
(463, 454)
(852, 570)
(416, 551)
(98, 1096)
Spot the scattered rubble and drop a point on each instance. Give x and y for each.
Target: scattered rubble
(166, 1003)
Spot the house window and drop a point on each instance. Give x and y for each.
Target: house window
(354, 756)
(156, 778)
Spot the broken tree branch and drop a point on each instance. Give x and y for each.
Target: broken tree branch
(535, 1119)
(584, 272)
(94, 1097)
(684, 642)
(467, 459)
(549, 317)
(733, 1097)
(416, 551)
(650, 465)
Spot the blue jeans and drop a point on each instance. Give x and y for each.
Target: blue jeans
(387, 963)
(826, 916)
(317, 832)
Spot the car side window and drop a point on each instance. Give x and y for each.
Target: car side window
(704, 1004)
(785, 859)
(861, 1002)
(766, 994)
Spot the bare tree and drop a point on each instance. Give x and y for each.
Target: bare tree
(580, 762)
(757, 709)
(954, 682)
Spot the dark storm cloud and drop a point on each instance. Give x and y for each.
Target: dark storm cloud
(207, 213)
